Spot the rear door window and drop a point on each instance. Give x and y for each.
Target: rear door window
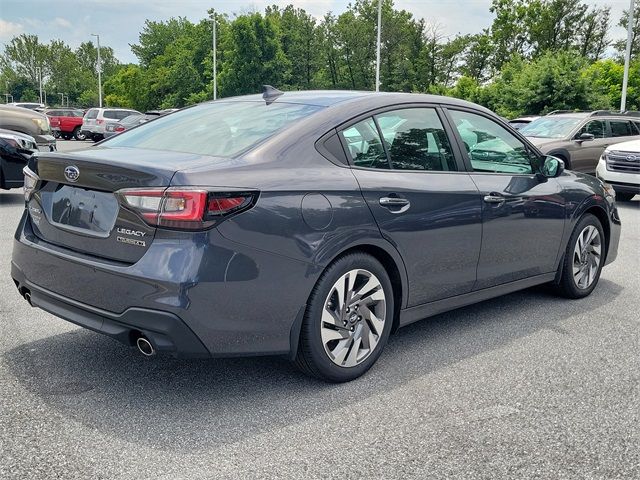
(112, 114)
(416, 140)
(364, 145)
(621, 128)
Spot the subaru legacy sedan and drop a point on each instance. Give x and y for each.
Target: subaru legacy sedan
(307, 224)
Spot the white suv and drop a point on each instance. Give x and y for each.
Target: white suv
(619, 166)
(96, 119)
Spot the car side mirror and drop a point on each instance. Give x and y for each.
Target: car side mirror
(586, 136)
(552, 167)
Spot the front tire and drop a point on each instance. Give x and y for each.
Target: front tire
(583, 259)
(348, 319)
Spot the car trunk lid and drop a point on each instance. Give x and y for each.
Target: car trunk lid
(76, 205)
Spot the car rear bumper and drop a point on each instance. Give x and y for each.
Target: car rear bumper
(166, 331)
(236, 301)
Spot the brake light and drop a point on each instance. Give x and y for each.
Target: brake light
(119, 128)
(185, 208)
(99, 122)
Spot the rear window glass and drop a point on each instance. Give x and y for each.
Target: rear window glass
(220, 129)
(620, 128)
(93, 113)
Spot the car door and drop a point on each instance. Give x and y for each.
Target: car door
(522, 213)
(412, 178)
(586, 153)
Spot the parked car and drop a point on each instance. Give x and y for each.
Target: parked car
(15, 150)
(66, 123)
(96, 119)
(619, 166)
(310, 224)
(126, 123)
(29, 105)
(520, 122)
(29, 122)
(579, 138)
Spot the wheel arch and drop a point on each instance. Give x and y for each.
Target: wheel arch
(390, 259)
(394, 268)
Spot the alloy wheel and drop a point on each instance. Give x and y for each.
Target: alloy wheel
(587, 255)
(353, 318)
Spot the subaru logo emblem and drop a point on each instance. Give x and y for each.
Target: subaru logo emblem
(632, 158)
(71, 173)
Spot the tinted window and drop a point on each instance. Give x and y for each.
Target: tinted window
(221, 128)
(416, 140)
(91, 114)
(53, 113)
(620, 128)
(111, 114)
(364, 145)
(637, 127)
(597, 128)
(491, 147)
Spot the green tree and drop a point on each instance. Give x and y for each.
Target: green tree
(254, 56)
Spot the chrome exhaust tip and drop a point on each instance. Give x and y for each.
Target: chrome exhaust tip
(27, 297)
(145, 347)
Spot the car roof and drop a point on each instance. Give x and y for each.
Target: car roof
(327, 98)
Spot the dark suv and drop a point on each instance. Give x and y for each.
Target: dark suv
(579, 138)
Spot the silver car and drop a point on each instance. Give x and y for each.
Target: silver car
(579, 138)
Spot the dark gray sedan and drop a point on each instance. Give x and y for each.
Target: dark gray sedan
(309, 224)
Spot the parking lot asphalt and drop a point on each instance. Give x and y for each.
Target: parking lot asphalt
(523, 386)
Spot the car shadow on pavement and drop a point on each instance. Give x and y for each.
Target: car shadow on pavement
(199, 404)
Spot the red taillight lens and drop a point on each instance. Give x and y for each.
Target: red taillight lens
(186, 208)
(119, 128)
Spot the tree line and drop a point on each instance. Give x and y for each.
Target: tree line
(537, 56)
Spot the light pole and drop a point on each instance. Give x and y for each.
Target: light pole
(378, 46)
(61, 99)
(215, 59)
(99, 67)
(627, 58)
(39, 73)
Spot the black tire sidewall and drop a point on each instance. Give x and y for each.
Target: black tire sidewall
(311, 334)
(568, 282)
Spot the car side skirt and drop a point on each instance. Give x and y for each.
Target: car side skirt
(413, 314)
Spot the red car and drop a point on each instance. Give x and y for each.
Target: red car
(66, 123)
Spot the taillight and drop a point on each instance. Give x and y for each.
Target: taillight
(185, 208)
(30, 183)
(99, 122)
(119, 128)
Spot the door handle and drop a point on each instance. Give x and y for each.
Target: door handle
(395, 204)
(492, 198)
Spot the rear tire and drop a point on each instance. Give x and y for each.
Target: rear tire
(583, 259)
(624, 197)
(348, 319)
(78, 135)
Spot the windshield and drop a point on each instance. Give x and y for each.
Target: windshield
(220, 129)
(551, 127)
